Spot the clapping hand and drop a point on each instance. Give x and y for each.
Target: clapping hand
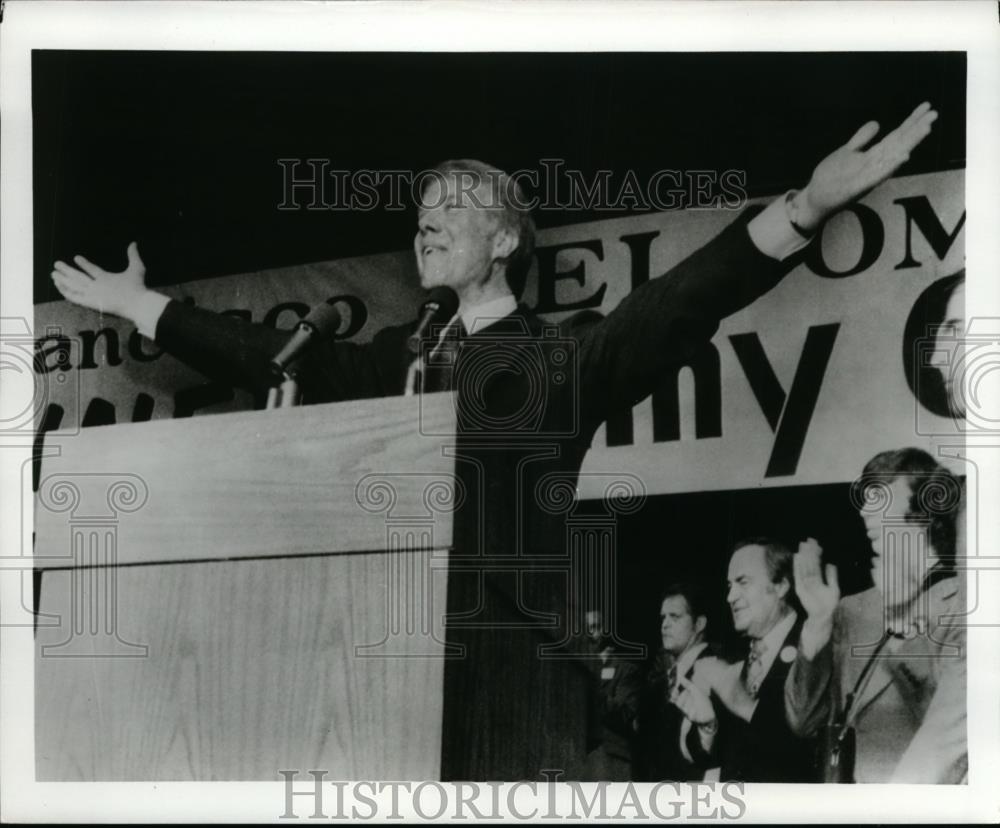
(693, 702)
(851, 171)
(93, 287)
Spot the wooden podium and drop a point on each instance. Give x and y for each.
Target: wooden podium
(228, 596)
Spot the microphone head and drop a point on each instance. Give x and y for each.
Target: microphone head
(446, 300)
(320, 324)
(438, 308)
(324, 319)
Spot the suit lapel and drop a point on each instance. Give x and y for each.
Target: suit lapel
(908, 661)
(878, 681)
(865, 631)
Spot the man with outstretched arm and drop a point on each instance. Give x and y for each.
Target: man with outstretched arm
(519, 437)
(479, 240)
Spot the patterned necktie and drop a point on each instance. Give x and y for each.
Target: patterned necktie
(439, 371)
(672, 680)
(754, 675)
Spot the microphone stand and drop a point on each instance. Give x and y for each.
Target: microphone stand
(415, 371)
(416, 368)
(284, 395)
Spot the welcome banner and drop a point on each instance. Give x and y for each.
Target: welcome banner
(801, 387)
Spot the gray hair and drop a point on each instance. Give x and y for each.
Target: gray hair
(506, 194)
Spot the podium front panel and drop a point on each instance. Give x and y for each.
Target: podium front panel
(235, 670)
(229, 596)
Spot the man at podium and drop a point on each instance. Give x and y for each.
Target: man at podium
(529, 398)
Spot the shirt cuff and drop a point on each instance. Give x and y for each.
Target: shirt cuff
(148, 310)
(772, 232)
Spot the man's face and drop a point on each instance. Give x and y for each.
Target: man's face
(755, 602)
(949, 339)
(902, 551)
(457, 230)
(677, 628)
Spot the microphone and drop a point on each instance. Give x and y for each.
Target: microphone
(440, 307)
(319, 325)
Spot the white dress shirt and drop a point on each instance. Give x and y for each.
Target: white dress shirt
(688, 657)
(774, 640)
(480, 316)
(684, 662)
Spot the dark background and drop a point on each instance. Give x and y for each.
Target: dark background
(179, 149)
(687, 537)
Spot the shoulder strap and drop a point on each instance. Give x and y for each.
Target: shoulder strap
(844, 719)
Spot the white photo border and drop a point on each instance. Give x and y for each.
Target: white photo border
(971, 27)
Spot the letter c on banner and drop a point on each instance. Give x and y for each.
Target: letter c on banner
(919, 343)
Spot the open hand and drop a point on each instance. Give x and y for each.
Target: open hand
(851, 171)
(93, 287)
(819, 596)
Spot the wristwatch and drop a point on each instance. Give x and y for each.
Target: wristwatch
(710, 727)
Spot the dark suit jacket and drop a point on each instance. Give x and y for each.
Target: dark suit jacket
(765, 749)
(616, 684)
(518, 709)
(660, 726)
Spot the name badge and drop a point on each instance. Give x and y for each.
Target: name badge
(607, 673)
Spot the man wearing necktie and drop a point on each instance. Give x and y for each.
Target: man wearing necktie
(751, 740)
(530, 399)
(666, 721)
(889, 663)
